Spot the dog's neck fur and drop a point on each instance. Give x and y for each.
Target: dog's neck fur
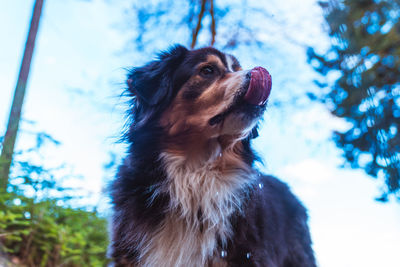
(203, 196)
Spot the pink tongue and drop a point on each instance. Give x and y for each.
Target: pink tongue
(259, 87)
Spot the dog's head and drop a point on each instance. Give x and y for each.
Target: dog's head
(199, 98)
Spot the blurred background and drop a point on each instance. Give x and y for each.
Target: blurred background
(330, 132)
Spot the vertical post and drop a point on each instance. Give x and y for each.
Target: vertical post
(16, 107)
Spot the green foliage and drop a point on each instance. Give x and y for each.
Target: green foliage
(38, 229)
(362, 84)
(45, 234)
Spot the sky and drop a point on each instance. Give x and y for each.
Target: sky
(73, 94)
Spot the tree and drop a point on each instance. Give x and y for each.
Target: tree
(361, 83)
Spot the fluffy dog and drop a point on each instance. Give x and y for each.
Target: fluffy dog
(187, 193)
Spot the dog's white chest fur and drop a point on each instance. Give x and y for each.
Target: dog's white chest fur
(202, 200)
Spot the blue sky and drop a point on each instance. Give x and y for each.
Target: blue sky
(73, 94)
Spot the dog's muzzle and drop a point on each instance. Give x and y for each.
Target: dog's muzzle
(255, 93)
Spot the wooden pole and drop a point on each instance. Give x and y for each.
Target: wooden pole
(19, 94)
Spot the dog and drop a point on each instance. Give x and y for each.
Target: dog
(187, 193)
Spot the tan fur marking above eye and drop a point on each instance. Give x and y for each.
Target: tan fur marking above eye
(213, 59)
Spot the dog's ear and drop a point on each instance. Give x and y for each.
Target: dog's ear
(153, 82)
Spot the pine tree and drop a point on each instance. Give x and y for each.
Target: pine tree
(361, 84)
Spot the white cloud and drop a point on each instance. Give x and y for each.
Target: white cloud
(348, 227)
(309, 171)
(317, 123)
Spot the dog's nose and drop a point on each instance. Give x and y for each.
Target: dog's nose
(248, 75)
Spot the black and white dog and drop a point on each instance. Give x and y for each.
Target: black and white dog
(187, 193)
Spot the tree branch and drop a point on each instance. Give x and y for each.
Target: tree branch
(198, 26)
(213, 27)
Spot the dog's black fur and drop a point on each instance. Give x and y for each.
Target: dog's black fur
(269, 229)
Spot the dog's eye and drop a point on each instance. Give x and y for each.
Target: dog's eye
(207, 71)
